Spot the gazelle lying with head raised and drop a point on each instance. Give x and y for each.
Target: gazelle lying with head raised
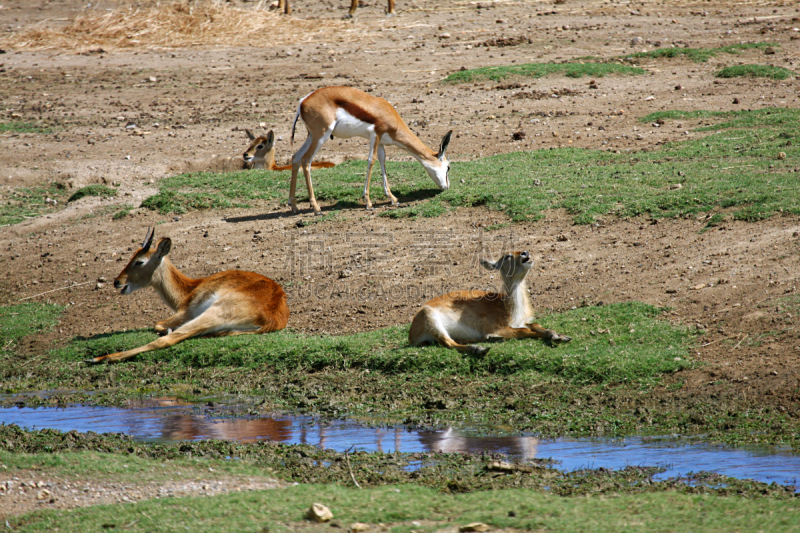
(460, 318)
(345, 112)
(232, 302)
(261, 154)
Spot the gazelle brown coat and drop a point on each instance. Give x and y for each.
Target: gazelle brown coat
(232, 302)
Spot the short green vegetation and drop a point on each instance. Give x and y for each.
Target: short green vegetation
(410, 508)
(22, 127)
(93, 190)
(442, 489)
(618, 353)
(698, 55)
(722, 171)
(621, 343)
(755, 71)
(19, 320)
(123, 211)
(21, 203)
(537, 70)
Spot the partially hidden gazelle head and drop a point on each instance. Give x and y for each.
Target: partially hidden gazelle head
(439, 170)
(145, 261)
(513, 266)
(259, 147)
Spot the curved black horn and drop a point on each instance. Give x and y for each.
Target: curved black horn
(445, 143)
(148, 239)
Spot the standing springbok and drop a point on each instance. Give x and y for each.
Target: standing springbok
(232, 302)
(261, 154)
(287, 9)
(474, 316)
(345, 112)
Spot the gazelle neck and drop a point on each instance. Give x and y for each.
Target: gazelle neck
(171, 285)
(411, 144)
(269, 159)
(517, 301)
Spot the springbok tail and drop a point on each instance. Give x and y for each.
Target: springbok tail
(297, 116)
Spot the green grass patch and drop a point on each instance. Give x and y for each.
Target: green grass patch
(342, 184)
(755, 71)
(736, 168)
(17, 321)
(21, 203)
(431, 209)
(620, 343)
(22, 127)
(537, 70)
(698, 55)
(442, 489)
(780, 124)
(93, 190)
(397, 507)
(123, 212)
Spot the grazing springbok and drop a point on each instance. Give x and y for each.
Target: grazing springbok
(345, 112)
(261, 154)
(474, 316)
(287, 9)
(232, 302)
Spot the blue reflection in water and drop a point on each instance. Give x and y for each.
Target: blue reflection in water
(173, 420)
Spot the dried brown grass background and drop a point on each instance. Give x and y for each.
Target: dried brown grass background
(179, 24)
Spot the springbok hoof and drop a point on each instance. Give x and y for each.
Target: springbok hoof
(91, 361)
(493, 338)
(559, 339)
(317, 213)
(474, 349)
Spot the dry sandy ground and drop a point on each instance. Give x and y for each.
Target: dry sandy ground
(361, 271)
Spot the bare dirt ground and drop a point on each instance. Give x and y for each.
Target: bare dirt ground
(360, 271)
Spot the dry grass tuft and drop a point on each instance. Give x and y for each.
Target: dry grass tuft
(179, 24)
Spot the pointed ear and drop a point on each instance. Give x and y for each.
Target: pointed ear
(148, 239)
(250, 135)
(443, 146)
(164, 246)
(490, 265)
(270, 138)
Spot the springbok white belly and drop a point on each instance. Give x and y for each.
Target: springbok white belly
(348, 126)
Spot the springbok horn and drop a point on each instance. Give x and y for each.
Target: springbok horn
(148, 240)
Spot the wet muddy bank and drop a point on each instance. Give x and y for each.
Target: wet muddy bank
(548, 409)
(442, 471)
(171, 420)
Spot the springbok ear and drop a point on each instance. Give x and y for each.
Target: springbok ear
(250, 135)
(164, 246)
(270, 138)
(490, 265)
(148, 239)
(443, 146)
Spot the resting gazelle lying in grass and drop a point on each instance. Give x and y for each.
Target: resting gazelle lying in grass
(459, 319)
(232, 302)
(261, 154)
